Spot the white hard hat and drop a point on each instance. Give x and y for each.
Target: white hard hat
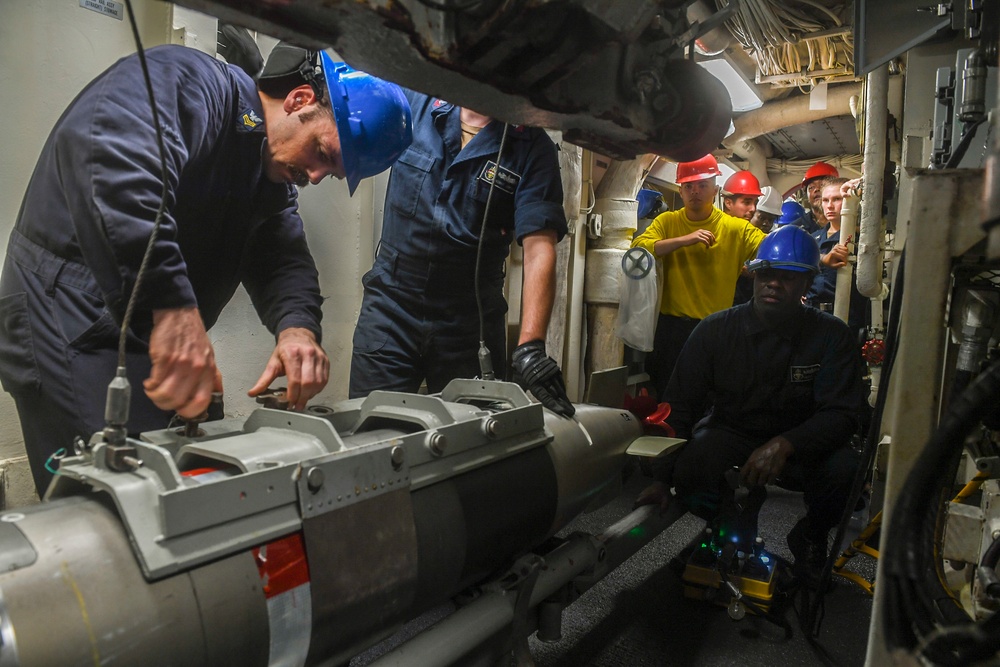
(770, 201)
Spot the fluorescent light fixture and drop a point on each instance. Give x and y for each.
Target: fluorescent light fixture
(742, 94)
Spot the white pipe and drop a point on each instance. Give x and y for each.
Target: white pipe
(871, 236)
(575, 310)
(848, 225)
(875, 371)
(875, 375)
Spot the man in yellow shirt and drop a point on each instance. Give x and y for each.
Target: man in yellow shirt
(703, 250)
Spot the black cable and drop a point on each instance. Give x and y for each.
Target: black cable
(485, 362)
(810, 620)
(127, 318)
(963, 145)
(448, 7)
(992, 555)
(906, 559)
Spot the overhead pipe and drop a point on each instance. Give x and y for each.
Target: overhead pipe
(773, 116)
(871, 254)
(756, 153)
(713, 42)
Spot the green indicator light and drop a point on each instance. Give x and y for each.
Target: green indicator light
(638, 531)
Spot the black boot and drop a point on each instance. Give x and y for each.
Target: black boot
(809, 549)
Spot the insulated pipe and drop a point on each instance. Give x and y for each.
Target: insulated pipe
(575, 320)
(790, 111)
(617, 206)
(561, 324)
(870, 252)
(756, 152)
(848, 225)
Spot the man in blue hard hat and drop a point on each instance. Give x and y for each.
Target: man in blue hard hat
(780, 383)
(225, 194)
(433, 307)
(792, 213)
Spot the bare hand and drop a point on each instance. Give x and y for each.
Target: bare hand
(700, 236)
(837, 257)
(851, 187)
(766, 462)
(656, 493)
(184, 373)
(299, 358)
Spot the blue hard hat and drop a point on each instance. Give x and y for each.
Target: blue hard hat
(792, 213)
(373, 119)
(790, 248)
(649, 201)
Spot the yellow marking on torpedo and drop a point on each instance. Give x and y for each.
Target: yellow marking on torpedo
(653, 445)
(83, 612)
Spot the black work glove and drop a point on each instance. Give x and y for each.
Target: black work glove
(538, 373)
(238, 48)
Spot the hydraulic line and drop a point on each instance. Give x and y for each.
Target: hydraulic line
(485, 360)
(810, 620)
(922, 490)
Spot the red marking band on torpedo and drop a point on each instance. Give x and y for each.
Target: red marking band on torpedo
(282, 564)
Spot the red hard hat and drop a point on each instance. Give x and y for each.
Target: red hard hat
(698, 170)
(819, 170)
(742, 183)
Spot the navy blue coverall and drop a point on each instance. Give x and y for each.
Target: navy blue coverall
(85, 222)
(419, 319)
(801, 380)
(824, 285)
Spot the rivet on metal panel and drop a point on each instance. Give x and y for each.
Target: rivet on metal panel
(490, 427)
(436, 443)
(397, 456)
(315, 479)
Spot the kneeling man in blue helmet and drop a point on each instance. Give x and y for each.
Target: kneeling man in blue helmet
(225, 194)
(771, 387)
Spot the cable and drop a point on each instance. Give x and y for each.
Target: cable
(119, 392)
(127, 318)
(963, 145)
(485, 360)
(919, 495)
(776, 33)
(447, 7)
(810, 620)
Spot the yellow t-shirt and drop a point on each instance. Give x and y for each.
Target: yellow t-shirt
(698, 280)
